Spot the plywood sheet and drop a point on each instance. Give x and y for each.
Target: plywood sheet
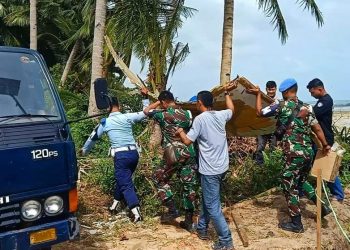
(245, 122)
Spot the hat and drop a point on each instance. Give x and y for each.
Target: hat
(193, 99)
(287, 84)
(315, 83)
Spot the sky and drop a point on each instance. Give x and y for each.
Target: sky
(258, 54)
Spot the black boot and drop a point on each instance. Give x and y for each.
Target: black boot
(188, 222)
(325, 210)
(294, 226)
(172, 213)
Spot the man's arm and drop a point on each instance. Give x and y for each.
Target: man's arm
(256, 91)
(154, 105)
(94, 136)
(229, 103)
(180, 132)
(316, 128)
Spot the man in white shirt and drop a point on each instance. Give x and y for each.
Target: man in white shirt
(209, 130)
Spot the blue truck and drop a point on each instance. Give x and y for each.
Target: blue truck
(38, 167)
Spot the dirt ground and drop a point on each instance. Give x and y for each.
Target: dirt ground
(259, 218)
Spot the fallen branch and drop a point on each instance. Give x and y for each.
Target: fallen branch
(134, 79)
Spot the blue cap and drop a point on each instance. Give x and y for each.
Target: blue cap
(193, 99)
(287, 84)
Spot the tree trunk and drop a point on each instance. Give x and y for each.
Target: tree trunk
(156, 135)
(69, 62)
(227, 34)
(33, 25)
(97, 50)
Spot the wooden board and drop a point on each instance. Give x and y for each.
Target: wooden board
(328, 163)
(245, 122)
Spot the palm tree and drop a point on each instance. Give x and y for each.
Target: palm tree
(272, 10)
(226, 49)
(97, 57)
(150, 28)
(33, 25)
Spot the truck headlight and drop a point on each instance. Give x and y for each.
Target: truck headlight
(53, 205)
(31, 210)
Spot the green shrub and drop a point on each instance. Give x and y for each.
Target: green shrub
(250, 179)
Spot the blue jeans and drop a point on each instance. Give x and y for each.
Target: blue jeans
(336, 189)
(211, 209)
(125, 163)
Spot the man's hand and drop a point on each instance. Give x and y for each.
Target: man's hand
(230, 86)
(326, 149)
(144, 91)
(180, 130)
(80, 152)
(253, 91)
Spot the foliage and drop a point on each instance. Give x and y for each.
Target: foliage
(272, 9)
(248, 178)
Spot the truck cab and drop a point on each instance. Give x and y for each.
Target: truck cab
(38, 167)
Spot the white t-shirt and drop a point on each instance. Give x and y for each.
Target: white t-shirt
(209, 130)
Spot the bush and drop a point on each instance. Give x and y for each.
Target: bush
(250, 179)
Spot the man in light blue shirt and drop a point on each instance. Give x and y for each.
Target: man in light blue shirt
(118, 127)
(209, 130)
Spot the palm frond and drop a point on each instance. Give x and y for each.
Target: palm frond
(311, 6)
(272, 10)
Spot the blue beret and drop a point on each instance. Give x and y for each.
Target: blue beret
(287, 84)
(193, 99)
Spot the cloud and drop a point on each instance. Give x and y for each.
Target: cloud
(257, 52)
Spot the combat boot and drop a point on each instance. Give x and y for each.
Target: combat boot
(294, 226)
(325, 210)
(172, 213)
(137, 214)
(188, 222)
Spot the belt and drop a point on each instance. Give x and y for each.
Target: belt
(126, 148)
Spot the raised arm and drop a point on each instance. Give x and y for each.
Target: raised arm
(229, 103)
(256, 91)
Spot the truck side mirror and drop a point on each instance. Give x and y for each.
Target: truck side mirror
(101, 97)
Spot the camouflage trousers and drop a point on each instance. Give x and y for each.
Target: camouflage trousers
(187, 174)
(294, 176)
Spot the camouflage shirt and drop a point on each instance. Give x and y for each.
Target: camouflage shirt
(297, 139)
(170, 120)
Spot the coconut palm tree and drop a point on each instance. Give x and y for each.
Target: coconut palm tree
(97, 50)
(272, 10)
(33, 25)
(150, 27)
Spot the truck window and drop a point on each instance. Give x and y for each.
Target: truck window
(25, 90)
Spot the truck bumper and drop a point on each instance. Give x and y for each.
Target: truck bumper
(24, 239)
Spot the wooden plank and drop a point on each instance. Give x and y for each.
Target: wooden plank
(240, 229)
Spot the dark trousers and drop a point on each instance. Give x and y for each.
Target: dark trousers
(262, 142)
(125, 163)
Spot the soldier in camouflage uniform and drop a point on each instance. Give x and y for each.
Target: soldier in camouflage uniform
(170, 119)
(295, 121)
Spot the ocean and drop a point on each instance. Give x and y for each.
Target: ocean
(339, 105)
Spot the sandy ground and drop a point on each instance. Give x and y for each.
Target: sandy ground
(259, 216)
(341, 118)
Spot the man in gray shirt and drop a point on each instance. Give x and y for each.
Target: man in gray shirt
(209, 130)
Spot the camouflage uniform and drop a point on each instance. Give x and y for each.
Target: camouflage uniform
(186, 168)
(297, 153)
